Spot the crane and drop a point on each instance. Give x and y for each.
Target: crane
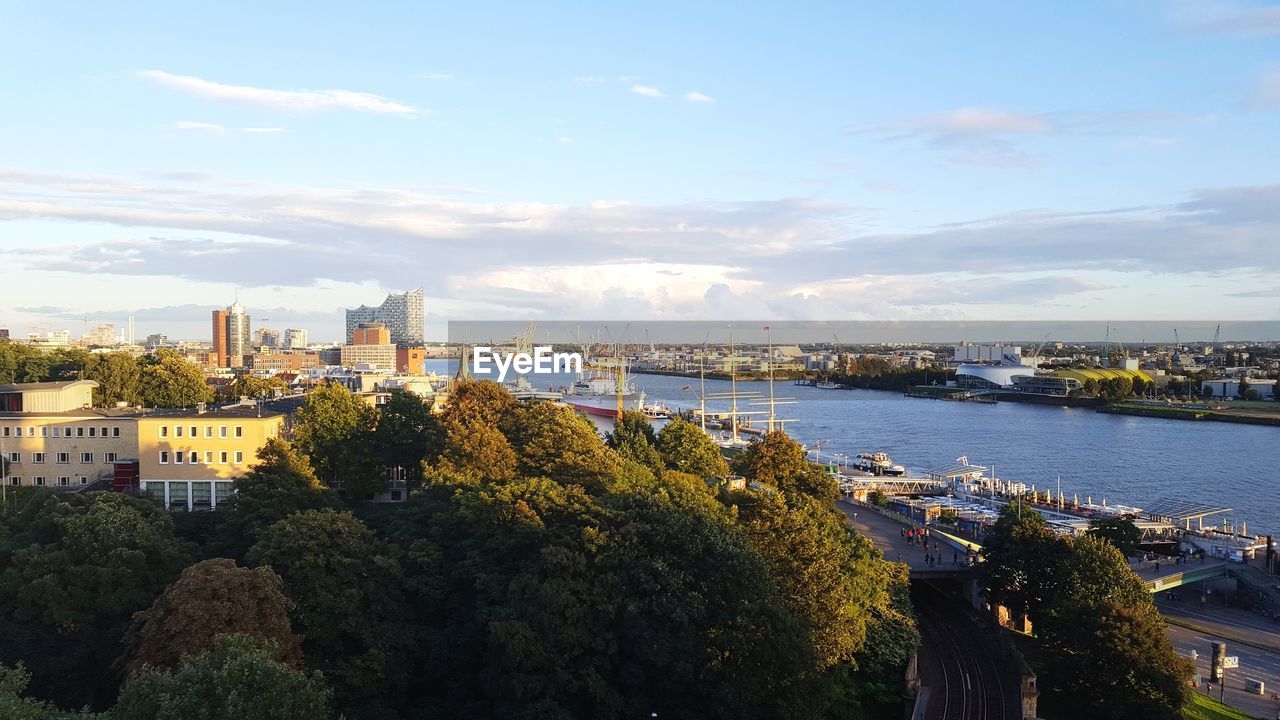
(1040, 347)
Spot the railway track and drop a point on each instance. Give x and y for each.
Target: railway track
(961, 664)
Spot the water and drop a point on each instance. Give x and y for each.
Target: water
(1127, 460)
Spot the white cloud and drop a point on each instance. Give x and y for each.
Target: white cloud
(438, 76)
(971, 121)
(1267, 93)
(202, 126)
(257, 130)
(293, 101)
(647, 91)
(1220, 16)
(698, 97)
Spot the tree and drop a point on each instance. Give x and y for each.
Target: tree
(475, 451)
(1021, 558)
(210, 599)
(252, 386)
(634, 439)
(1105, 640)
(85, 564)
(334, 428)
(170, 381)
(13, 706)
(118, 376)
(553, 441)
(482, 401)
(1120, 532)
(1089, 386)
(407, 434)
(685, 448)
(350, 610)
(1242, 388)
(238, 678)
(777, 460)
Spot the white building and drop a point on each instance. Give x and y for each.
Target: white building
(998, 353)
(1230, 387)
(295, 339)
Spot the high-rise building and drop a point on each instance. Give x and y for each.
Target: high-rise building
(295, 339)
(103, 335)
(231, 336)
(402, 314)
(4, 333)
(266, 338)
(371, 333)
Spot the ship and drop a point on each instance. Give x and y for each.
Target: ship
(877, 464)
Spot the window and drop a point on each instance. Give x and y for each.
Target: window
(177, 431)
(194, 458)
(239, 457)
(208, 457)
(222, 431)
(208, 431)
(221, 491)
(15, 480)
(239, 431)
(37, 457)
(31, 431)
(64, 458)
(38, 480)
(222, 457)
(104, 431)
(109, 457)
(177, 457)
(86, 458)
(115, 432)
(79, 432)
(164, 457)
(44, 431)
(164, 431)
(57, 431)
(84, 480)
(93, 432)
(193, 431)
(4, 432)
(15, 457)
(64, 481)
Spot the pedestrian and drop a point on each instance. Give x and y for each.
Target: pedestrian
(902, 532)
(955, 557)
(1157, 566)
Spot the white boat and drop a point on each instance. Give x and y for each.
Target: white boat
(877, 464)
(827, 385)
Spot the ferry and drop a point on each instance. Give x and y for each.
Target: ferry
(827, 385)
(878, 464)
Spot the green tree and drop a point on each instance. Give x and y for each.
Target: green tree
(553, 441)
(334, 428)
(350, 610)
(776, 460)
(239, 678)
(475, 451)
(685, 448)
(481, 401)
(634, 439)
(1105, 641)
(1021, 555)
(13, 706)
(170, 381)
(1120, 532)
(252, 386)
(84, 564)
(407, 434)
(1089, 386)
(1242, 389)
(210, 599)
(118, 376)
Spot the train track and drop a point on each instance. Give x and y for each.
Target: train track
(960, 663)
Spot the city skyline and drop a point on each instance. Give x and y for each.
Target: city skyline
(861, 164)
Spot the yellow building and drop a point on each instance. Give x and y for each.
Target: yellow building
(188, 459)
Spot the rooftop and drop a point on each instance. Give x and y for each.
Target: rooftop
(39, 386)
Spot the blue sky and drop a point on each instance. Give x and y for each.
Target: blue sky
(676, 161)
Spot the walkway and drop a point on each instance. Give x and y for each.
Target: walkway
(886, 533)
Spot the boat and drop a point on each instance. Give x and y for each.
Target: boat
(877, 464)
(827, 385)
(600, 395)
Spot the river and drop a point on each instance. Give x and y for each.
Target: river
(1125, 459)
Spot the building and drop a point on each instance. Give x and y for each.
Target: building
(380, 357)
(411, 360)
(294, 339)
(371, 333)
(156, 340)
(282, 362)
(402, 314)
(4, 333)
(1100, 374)
(266, 338)
(1230, 387)
(186, 459)
(991, 376)
(998, 353)
(103, 335)
(231, 336)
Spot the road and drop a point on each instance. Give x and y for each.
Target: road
(960, 663)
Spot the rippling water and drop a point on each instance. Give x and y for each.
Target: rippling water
(1128, 460)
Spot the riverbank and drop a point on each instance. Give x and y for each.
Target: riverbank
(1181, 413)
(741, 376)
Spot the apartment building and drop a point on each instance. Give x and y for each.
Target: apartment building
(51, 436)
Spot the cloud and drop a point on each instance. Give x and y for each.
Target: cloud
(202, 126)
(697, 97)
(647, 91)
(1000, 158)
(291, 101)
(971, 122)
(263, 130)
(1267, 93)
(1236, 18)
(438, 76)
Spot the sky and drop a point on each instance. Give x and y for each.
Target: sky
(666, 161)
